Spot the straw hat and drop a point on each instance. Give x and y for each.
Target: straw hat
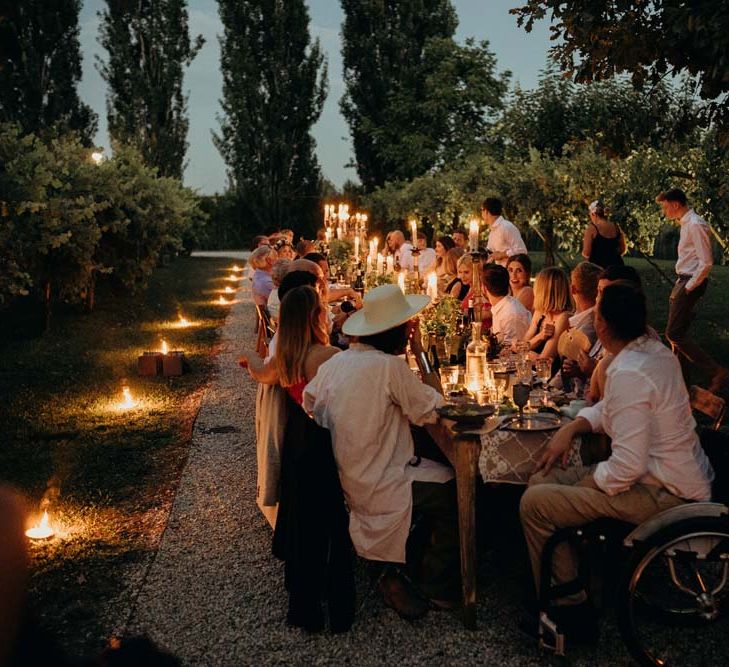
(572, 342)
(385, 307)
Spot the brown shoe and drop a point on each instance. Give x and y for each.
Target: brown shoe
(720, 381)
(399, 594)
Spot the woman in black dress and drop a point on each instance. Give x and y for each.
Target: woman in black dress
(603, 242)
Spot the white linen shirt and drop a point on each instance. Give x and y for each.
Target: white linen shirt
(695, 257)
(585, 322)
(647, 414)
(404, 255)
(510, 318)
(426, 261)
(367, 399)
(504, 236)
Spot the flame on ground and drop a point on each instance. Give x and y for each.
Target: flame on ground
(183, 322)
(229, 290)
(165, 348)
(232, 277)
(222, 301)
(236, 267)
(128, 401)
(42, 530)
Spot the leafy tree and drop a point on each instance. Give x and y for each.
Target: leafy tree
(274, 86)
(149, 46)
(414, 98)
(597, 39)
(40, 67)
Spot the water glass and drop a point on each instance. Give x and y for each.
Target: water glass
(544, 370)
(450, 378)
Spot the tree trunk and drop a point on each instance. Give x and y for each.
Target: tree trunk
(91, 294)
(46, 305)
(548, 230)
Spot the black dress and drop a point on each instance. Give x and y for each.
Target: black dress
(463, 289)
(312, 528)
(605, 251)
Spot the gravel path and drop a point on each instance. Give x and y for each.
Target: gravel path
(214, 594)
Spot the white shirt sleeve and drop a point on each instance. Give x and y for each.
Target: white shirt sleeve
(630, 393)
(417, 400)
(701, 240)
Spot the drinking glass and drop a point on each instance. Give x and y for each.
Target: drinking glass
(449, 376)
(521, 397)
(544, 370)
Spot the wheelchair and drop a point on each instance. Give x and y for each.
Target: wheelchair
(671, 593)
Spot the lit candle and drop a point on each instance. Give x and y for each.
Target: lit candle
(164, 349)
(473, 235)
(339, 232)
(328, 235)
(414, 230)
(390, 264)
(356, 248)
(401, 281)
(432, 290)
(380, 263)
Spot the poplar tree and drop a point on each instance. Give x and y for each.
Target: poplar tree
(149, 47)
(274, 87)
(40, 67)
(414, 100)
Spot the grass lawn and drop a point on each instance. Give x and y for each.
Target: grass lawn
(711, 327)
(108, 476)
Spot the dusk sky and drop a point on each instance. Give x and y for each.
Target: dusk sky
(524, 54)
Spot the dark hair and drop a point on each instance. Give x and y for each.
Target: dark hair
(623, 307)
(674, 194)
(421, 235)
(295, 279)
(446, 241)
(257, 240)
(523, 259)
(303, 245)
(460, 230)
(496, 279)
(492, 205)
(599, 209)
(392, 341)
(315, 257)
(621, 272)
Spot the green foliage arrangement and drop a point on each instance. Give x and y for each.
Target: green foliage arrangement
(441, 318)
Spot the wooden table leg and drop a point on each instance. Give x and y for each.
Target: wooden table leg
(466, 455)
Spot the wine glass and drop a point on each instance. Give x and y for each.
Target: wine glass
(544, 373)
(521, 398)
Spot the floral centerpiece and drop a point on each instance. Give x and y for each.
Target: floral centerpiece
(341, 257)
(374, 279)
(439, 326)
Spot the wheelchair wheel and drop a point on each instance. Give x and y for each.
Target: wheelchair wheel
(672, 597)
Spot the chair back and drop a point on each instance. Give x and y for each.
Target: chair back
(265, 330)
(709, 404)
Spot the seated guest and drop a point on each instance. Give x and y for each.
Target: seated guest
(442, 246)
(288, 234)
(509, 317)
(279, 270)
(262, 260)
(449, 277)
(401, 250)
(552, 309)
(460, 238)
(367, 397)
(461, 284)
(285, 250)
(583, 283)
(427, 258)
(656, 461)
(334, 293)
(304, 247)
(520, 272)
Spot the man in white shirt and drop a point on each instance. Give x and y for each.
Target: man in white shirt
(656, 462)
(401, 250)
(695, 259)
(504, 237)
(509, 316)
(427, 257)
(368, 397)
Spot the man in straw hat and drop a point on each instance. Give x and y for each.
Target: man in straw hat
(368, 397)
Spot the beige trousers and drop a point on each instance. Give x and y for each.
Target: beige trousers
(561, 500)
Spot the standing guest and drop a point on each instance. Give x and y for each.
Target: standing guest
(504, 237)
(262, 260)
(427, 259)
(519, 267)
(603, 242)
(461, 284)
(552, 310)
(367, 397)
(656, 462)
(304, 247)
(460, 238)
(449, 268)
(401, 250)
(693, 266)
(509, 317)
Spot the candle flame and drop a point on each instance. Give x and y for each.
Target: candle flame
(232, 277)
(222, 301)
(42, 530)
(229, 290)
(183, 322)
(236, 267)
(128, 401)
(165, 349)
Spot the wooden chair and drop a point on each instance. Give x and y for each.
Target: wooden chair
(265, 330)
(709, 404)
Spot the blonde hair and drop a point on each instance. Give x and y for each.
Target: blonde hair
(464, 260)
(552, 291)
(279, 270)
(450, 261)
(301, 326)
(259, 257)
